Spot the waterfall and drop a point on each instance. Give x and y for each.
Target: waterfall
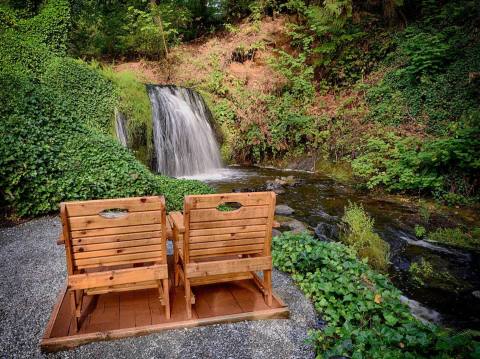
(184, 141)
(120, 127)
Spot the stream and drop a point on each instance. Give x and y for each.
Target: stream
(448, 298)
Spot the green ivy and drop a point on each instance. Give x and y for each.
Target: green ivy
(362, 309)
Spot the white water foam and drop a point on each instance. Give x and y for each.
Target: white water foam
(185, 143)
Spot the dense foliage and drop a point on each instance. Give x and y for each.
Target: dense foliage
(363, 314)
(403, 78)
(57, 113)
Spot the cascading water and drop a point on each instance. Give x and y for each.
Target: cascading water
(185, 143)
(120, 127)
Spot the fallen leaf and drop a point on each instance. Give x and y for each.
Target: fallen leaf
(378, 298)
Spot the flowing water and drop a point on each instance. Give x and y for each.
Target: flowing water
(319, 202)
(121, 127)
(184, 140)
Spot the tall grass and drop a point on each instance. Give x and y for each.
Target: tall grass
(357, 232)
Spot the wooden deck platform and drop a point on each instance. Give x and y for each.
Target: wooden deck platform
(134, 313)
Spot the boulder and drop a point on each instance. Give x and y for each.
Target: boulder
(296, 226)
(326, 232)
(283, 210)
(476, 294)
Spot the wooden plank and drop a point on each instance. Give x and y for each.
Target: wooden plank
(117, 277)
(214, 200)
(232, 223)
(133, 204)
(224, 237)
(229, 243)
(114, 245)
(221, 278)
(84, 242)
(176, 219)
(117, 251)
(115, 230)
(123, 288)
(131, 219)
(225, 230)
(204, 215)
(194, 270)
(69, 342)
(55, 312)
(210, 252)
(119, 259)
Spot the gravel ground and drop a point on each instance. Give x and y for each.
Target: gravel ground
(33, 271)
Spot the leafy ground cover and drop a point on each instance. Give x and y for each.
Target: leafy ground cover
(362, 311)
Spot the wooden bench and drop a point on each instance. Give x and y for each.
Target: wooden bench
(212, 245)
(115, 245)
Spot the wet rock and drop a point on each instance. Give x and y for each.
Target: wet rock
(275, 187)
(476, 294)
(296, 226)
(326, 232)
(326, 216)
(302, 164)
(291, 224)
(284, 210)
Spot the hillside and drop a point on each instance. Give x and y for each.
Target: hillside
(375, 119)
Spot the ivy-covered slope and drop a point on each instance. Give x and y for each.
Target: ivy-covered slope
(56, 113)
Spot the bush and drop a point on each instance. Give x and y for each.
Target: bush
(358, 233)
(362, 309)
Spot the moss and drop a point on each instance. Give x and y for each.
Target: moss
(134, 102)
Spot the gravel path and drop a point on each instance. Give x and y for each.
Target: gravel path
(33, 271)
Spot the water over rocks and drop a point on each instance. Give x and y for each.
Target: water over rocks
(185, 143)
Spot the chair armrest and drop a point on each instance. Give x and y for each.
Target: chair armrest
(276, 224)
(176, 219)
(60, 240)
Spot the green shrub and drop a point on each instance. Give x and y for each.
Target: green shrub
(421, 271)
(358, 233)
(365, 317)
(420, 231)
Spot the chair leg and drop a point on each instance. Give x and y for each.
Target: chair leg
(73, 307)
(267, 280)
(188, 298)
(166, 296)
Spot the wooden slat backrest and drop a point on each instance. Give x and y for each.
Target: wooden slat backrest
(210, 232)
(135, 234)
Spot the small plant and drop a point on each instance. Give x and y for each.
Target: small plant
(420, 271)
(420, 231)
(424, 212)
(358, 233)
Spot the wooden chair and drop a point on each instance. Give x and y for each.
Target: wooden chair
(115, 245)
(212, 246)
